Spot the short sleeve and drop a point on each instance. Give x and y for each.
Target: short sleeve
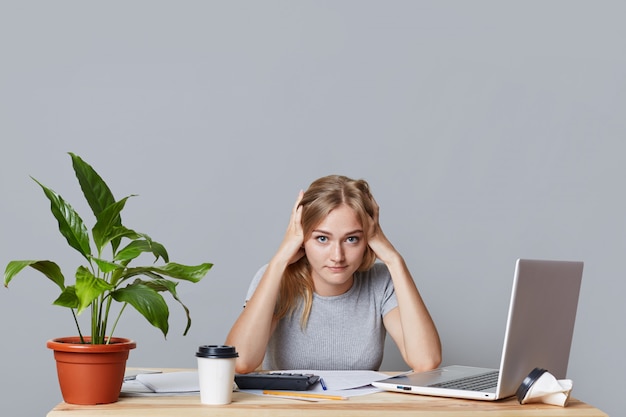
(255, 282)
(389, 300)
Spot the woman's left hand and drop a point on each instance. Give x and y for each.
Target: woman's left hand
(376, 239)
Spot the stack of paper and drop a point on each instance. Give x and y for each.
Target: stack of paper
(340, 383)
(167, 383)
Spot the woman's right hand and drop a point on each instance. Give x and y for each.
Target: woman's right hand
(292, 249)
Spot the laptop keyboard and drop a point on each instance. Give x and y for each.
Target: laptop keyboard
(473, 383)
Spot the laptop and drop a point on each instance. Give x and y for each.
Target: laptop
(538, 334)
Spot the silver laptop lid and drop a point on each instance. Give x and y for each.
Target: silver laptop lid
(541, 320)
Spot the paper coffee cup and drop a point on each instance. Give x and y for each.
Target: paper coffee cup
(216, 373)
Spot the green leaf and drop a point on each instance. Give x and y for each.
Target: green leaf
(119, 232)
(173, 270)
(95, 190)
(48, 268)
(70, 224)
(107, 222)
(67, 298)
(185, 272)
(132, 250)
(170, 286)
(88, 287)
(158, 250)
(146, 301)
(106, 266)
(137, 247)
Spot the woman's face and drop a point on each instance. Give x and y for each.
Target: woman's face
(335, 251)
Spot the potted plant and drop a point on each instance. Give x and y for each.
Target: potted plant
(105, 285)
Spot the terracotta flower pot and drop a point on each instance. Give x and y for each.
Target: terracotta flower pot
(90, 374)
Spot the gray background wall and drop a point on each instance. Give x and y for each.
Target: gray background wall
(488, 131)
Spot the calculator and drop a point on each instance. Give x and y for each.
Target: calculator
(276, 381)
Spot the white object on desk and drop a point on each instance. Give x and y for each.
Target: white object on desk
(171, 382)
(540, 386)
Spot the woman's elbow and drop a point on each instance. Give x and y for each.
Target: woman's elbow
(426, 363)
(245, 367)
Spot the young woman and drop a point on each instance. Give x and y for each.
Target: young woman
(323, 302)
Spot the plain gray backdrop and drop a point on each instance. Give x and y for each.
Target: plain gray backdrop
(488, 131)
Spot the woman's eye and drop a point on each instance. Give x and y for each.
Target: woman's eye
(322, 239)
(352, 239)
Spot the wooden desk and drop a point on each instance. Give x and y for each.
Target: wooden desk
(375, 405)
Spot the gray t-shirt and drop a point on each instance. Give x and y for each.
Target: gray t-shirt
(344, 332)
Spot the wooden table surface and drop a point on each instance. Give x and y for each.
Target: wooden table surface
(379, 404)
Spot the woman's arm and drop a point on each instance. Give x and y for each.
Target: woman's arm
(410, 324)
(254, 326)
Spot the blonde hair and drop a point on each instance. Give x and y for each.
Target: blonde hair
(323, 195)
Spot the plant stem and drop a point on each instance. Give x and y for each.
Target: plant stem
(116, 320)
(78, 327)
(105, 320)
(102, 320)
(94, 325)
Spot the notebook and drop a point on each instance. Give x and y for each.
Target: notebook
(538, 334)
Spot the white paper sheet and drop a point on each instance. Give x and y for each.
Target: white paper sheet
(342, 383)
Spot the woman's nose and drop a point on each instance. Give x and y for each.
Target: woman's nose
(337, 253)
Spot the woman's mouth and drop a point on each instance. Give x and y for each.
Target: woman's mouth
(337, 269)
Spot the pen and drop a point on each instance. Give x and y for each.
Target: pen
(323, 384)
(304, 395)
